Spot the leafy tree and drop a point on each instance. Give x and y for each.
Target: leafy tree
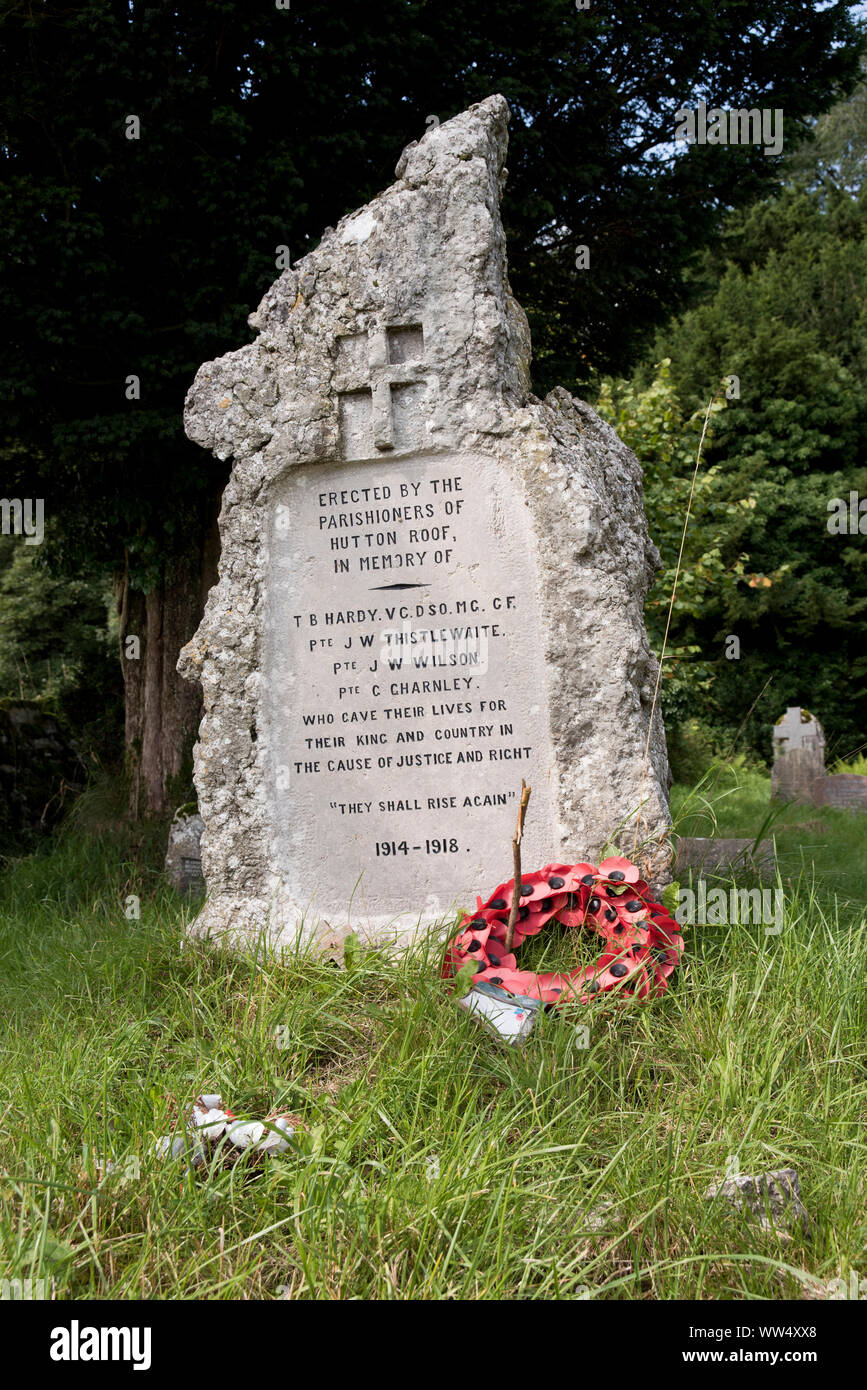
(788, 320)
(836, 154)
(55, 648)
(253, 127)
(690, 523)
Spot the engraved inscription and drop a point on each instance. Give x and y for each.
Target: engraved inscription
(406, 683)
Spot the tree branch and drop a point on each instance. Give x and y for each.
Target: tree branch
(516, 861)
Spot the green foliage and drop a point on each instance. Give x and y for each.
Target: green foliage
(694, 570)
(56, 647)
(692, 749)
(835, 157)
(785, 311)
(261, 126)
(857, 765)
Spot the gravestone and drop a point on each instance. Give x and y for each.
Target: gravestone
(431, 583)
(183, 863)
(724, 855)
(844, 791)
(799, 757)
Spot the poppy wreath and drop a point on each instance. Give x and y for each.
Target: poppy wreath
(642, 941)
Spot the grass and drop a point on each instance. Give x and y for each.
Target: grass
(437, 1163)
(817, 847)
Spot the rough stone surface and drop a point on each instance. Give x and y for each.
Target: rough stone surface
(183, 864)
(773, 1199)
(722, 855)
(396, 351)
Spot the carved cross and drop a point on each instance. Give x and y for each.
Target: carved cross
(794, 731)
(380, 382)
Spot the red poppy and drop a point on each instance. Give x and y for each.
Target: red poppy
(618, 870)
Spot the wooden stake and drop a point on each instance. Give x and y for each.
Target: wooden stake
(516, 862)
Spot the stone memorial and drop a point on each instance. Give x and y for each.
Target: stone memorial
(798, 773)
(844, 791)
(431, 583)
(183, 862)
(799, 756)
(722, 855)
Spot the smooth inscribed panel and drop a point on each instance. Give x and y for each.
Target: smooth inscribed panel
(404, 685)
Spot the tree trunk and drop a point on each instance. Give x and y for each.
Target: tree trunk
(162, 709)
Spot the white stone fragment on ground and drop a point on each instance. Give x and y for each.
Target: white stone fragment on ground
(176, 1146)
(771, 1199)
(211, 1124)
(276, 1143)
(208, 1121)
(170, 1146)
(243, 1135)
